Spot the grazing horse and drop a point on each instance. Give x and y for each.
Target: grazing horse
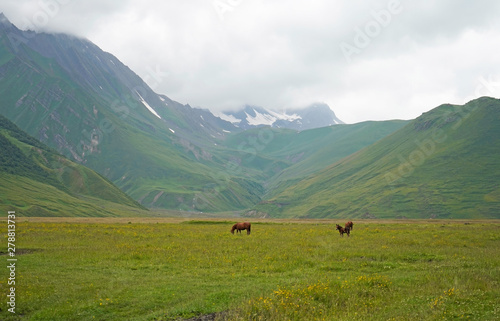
(343, 230)
(349, 225)
(241, 226)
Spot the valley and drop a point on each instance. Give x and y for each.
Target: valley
(89, 110)
(231, 160)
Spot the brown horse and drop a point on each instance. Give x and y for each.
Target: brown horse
(343, 230)
(241, 226)
(349, 225)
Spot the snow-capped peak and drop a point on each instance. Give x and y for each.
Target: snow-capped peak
(285, 116)
(260, 119)
(314, 116)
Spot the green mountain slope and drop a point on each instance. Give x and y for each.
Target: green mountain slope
(91, 108)
(37, 181)
(443, 164)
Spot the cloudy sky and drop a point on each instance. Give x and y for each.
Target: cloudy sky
(369, 59)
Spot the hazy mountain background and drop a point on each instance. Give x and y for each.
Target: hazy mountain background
(314, 116)
(88, 106)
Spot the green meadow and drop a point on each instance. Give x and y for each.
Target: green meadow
(132, 269)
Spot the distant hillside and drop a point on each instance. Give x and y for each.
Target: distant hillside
(37, 181)
(282, 157)
(444, 164)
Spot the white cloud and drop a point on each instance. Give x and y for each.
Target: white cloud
(284, 54)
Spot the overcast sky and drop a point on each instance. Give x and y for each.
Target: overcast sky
(368, 60)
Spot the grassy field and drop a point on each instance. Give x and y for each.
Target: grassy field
(167, 269)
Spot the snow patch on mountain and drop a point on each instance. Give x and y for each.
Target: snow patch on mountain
(268, 117)
(147, 106)
(313, 116)
(228, 117)
(285, 116)
(260, 119)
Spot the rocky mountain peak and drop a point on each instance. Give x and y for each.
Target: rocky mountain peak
(313, 116)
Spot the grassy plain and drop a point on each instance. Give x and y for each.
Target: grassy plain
(170, 269)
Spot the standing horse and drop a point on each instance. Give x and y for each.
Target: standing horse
(349, 225)
(241, 226)
(343, 230)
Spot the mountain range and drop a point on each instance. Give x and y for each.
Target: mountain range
(81, 102)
